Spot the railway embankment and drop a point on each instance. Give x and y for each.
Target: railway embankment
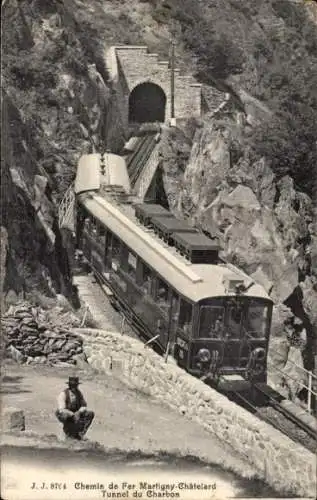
(282, 463)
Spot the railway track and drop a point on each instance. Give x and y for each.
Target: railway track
(133, 157)
(138, 159)
(262, 401)
(268, 406)
(266, 403)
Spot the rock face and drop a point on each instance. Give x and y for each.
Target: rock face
(264, 225)
(56, 106)
(3, 261)
(30, 336)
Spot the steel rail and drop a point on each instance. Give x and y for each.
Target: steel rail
(144, 154)
(280, 409)
(131, 158)
(144, 159)
(288, 414)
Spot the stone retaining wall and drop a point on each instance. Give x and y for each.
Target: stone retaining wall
(283, 464)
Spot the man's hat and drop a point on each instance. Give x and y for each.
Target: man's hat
(73, 380)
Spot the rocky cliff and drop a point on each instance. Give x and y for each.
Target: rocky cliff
(265, 226)
(56, 106)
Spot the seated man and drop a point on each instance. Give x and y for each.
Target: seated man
(72, 410)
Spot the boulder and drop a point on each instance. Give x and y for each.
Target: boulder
(309, 300)
(34, 351)
(277, 357)
(63, 363)
(294, 374)
(39, 359)
(12, 419)
(71, 345)
(61, 356)
(281, 316)
(29, 321)
(58, 345)
(8, 322)
(260, 277)
(15, 354)
(80, 360)
(242, 196)
(11, 298)
(29, 331)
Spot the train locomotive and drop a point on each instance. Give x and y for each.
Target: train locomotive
(168, 278)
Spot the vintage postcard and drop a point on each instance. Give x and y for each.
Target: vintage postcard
(158, 249)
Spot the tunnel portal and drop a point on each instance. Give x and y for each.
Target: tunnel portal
(147, 103)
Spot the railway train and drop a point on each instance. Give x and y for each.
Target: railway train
(168, 278)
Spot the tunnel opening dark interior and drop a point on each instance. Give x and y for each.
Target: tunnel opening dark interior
(147, 103)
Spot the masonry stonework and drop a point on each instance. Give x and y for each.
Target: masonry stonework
(283, 464)
(130, 66)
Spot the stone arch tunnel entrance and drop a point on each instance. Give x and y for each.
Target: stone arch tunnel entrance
(147, 103)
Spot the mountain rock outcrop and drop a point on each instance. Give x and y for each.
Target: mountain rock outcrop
(56, 106)
(265, 226)
(262, 222)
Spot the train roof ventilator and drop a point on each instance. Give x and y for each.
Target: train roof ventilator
(195, 246)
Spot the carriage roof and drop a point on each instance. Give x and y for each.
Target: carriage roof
(194, 281)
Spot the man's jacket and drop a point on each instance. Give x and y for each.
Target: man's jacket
(71, 400)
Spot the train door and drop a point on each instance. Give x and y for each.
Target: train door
(81, 215)
(174, 315)
(86, 237)
(107, 255)
(97, 247)
(162, 311)
(184, 332)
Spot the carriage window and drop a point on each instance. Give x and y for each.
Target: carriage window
(108, 249)
(115, 253)
(84, 218)
(93, 226)
(145, 278)
(185, 316)
(256, 320)
(131, 267)
(87, 224)
(235, 314)
(101, 234)
(211, 324)
(161, 292)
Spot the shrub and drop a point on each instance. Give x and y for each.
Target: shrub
(289, 141)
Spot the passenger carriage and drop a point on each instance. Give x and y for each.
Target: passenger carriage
(168, 278)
